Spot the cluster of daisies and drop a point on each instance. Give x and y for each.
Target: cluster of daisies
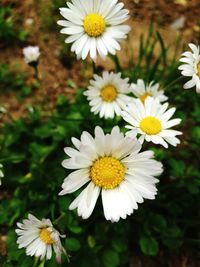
(109, 164)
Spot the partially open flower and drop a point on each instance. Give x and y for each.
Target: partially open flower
(39, 238)
(191, 67)
(142, 91)
(31, 54)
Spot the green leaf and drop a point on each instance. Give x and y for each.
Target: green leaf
(110, 258)
(91, 241)
(62, 101)
(13, 251)
(158, 223)
(163, 49)
(196, 133)
(177, 167)
(149, 245)
(119, 245)
(44, 131)
(72, 244)
(39, 151)
(172, 237)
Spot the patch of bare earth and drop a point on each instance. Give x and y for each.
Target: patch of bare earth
(54, 75)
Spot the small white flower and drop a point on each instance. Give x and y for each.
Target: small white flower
(94, 26)
(31, 54)
(29, 21)
(111, 165)
(107, 94)
(151, 121)
(142, 91)
(191, 67)
(39, 238)
(178, 24)
(1, 172)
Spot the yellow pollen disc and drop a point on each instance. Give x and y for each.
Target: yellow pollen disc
(107, 172)
(108, 93)
(94, 25)
(150, 125)
(45, 236)
(144, 96)
(198, 69)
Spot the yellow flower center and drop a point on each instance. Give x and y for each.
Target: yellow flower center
(107, 172)
(198, 69)
(144, 96)
(150, 125)
(94, 25)
(108, 93)
(45, 236)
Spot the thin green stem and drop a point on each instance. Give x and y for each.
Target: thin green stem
(10, 159)
(173, 82)
(36, 260)
(42, 263)
(115, 59)
(59, 218)
(94, 68)
(37, 76)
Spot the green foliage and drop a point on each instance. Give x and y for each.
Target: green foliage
(8, 32)
(32, 152)
(149, 245)
(57, 4)
(13, 81)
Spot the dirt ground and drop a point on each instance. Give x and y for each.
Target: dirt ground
(54, 75)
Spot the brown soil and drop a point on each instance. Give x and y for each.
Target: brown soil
(54, 75)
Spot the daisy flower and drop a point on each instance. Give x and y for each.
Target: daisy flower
(31, 54)
(107, 94)
(191, 67)
(94, 26)
(151, 121)
(1, 172)
(110, 165)
(39, 238)
(142, 91)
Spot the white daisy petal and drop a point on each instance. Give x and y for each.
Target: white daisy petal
(189, 84)
(74, 181)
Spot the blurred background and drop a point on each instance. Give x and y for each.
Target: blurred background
(33, 22)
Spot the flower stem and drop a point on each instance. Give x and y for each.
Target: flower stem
(115, 59)
(37, 77)
(42, 263)
(94, 67)
(59, 218)
(36, 262)
(173, 82)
